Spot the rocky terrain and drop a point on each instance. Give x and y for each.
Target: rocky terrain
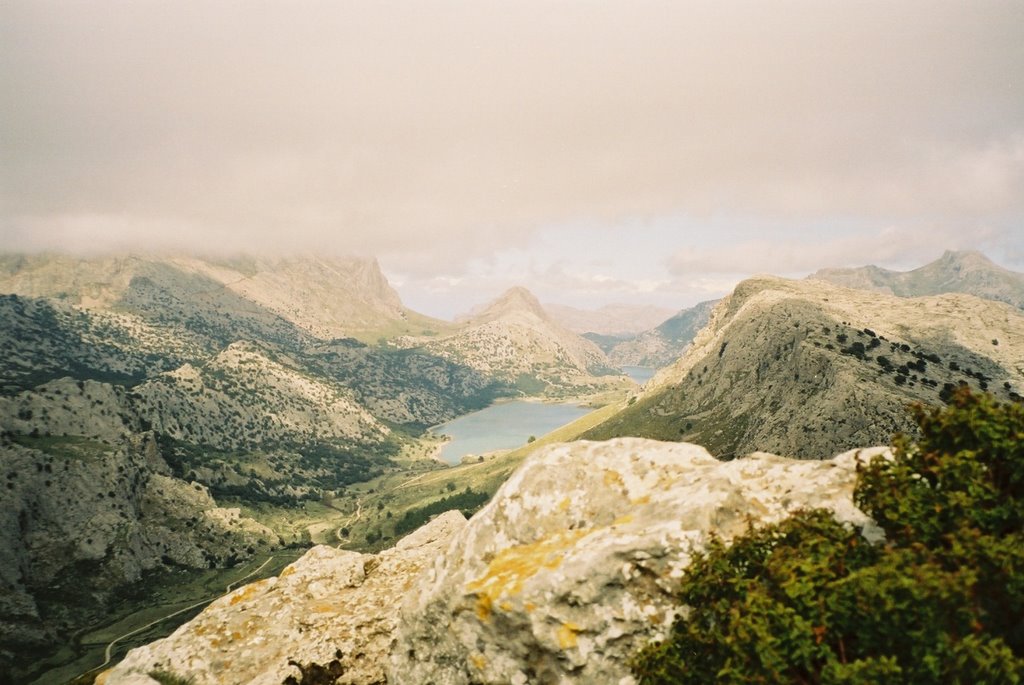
(268, 299)
(83, 517)
(570, 568)
(663, 344)
(232, 371)
(803, 368)
(515, 340)
(955, 272)
(614, 320)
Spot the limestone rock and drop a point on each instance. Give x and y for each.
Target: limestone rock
(574, 563)
(329, 600)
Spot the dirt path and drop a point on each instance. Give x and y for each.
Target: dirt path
(349, 521)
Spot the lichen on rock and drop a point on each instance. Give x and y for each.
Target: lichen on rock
(574, 563)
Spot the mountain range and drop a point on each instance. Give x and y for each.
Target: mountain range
(966, 272)
(266, 382)
(806, 367)
(153, 408)
(614, 320)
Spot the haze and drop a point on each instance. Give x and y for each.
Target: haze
(595, 152)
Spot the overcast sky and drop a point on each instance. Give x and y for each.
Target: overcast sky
(595, 152)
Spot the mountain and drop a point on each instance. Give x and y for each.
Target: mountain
(614, 320)
(224, 371)
(803, 368)
(955, 272)
(514, 339)
(264, 299)
(561, 578)
(664, 343)
(85, 518)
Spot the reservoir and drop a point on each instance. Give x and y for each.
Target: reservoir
(505, 425)
(640, 374)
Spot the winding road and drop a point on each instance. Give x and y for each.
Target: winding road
(108, 653)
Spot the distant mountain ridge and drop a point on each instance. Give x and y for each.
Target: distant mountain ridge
(664, 343)
(966, 272)
(619, 320)
(320, 296)
(513, 338)
(804, 368)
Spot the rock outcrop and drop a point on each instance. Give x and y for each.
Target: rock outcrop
(560, 579)
(329, 605)
(573, 565)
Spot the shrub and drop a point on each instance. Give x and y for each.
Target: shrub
(808, 600)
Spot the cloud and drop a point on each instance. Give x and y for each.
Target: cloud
(444, 131)
(797, 254)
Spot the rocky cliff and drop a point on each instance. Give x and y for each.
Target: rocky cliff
(271, 298)
(805, 368)
(569, 569)
(83, 517)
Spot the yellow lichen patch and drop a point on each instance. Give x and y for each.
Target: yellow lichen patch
(323, 608)
(478, 660)
(247, 592)
(513, 566)
(563, 506)
(566, 635)
(640, 500)
(483, 607)
(613, 478)
(625, 518)
(529, 607)
(290, 569)
(506, 606)
(236, 635)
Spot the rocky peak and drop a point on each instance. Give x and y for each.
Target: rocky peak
(514, 301)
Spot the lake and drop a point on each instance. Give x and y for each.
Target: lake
(505, 425)
(640, 374)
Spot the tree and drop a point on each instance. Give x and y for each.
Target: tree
(808, 600)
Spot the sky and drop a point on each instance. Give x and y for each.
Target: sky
(595, 152)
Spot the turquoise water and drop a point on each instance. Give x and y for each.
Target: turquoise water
(505, 425)
(640, 374)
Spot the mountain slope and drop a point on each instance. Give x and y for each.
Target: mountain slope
(280, 300)
(955, 272)
(805, 367)
(515, 340)
(663, 344)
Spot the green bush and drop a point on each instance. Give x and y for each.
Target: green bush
(810, 601)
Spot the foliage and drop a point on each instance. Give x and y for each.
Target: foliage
(467, 501)
(810, 601)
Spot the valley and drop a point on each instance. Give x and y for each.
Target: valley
(170, 425)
